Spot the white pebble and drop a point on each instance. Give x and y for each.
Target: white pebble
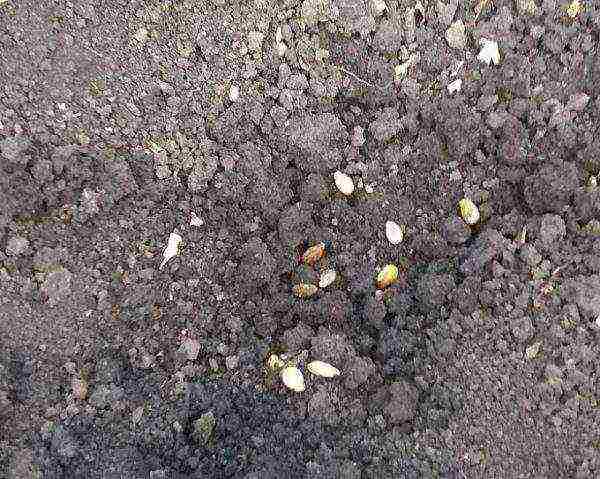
(344, 183)
(394, 232)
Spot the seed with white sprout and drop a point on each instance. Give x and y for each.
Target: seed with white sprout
(343, 183)
(468, 211)
(387, 276)
(293, 379)
(327, 278)
(320, 368)
(172, 248)
(394, 232)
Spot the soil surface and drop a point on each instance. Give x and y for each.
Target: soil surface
(126, 125)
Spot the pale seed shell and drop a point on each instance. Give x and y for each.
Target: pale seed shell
(327, 278)
(387, 276)
(343, 183)
(468, 211)
(293, 379)
(172, 248)
(320, 368)
(394, 232)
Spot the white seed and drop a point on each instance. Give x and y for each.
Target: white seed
(468, 211)
(327, 278)
(172, 248)
(532, 351)
(320, 368)
(489, 52)
(379, 7)
(454, 86)
(293, 379)
(141, 35)
(394, 232)
(234, 93)
(196, 220)
(344, 183)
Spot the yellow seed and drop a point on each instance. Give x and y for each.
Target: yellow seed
(274, 362)
(574, 8)
(305, 290)
(313, 254)
(387, 276)
(468, 211)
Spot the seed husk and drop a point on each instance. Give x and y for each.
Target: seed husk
(305, 290)
(387, 276)
(320, 368)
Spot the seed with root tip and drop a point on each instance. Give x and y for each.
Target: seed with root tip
(293, 379)
(320, 368)
(343, 183)
(387, 276)
(394, 232)
(468, 211)
(305, 290)
(172, 248)
(327, 278)
(313, 254)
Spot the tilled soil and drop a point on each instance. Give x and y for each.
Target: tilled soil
(224, 122)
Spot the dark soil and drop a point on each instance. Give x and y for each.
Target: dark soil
(122, 122)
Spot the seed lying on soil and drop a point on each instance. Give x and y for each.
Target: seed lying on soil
(274, 362)
(387, 276)
(292, 377)
(394, 232)
(195, 220)
(468, 211)
(343, 183)
(305, 290)
(454, 86)
(489, 52)
(592, 184)
(172, 248)
(574, 8)
(314, 254)
(320, 368)
(327, 278)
